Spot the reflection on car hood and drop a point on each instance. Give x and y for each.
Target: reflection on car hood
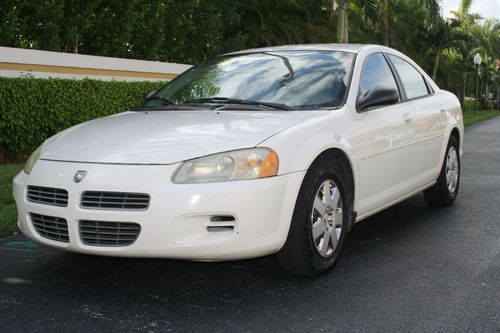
(165, 137)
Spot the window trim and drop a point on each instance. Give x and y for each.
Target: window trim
(348, 88)
(430, 91)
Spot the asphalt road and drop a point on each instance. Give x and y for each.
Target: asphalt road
(409, 268)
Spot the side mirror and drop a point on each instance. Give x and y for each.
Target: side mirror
(148, 94)
(378, 96)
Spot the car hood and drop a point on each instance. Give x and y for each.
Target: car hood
(166, 137)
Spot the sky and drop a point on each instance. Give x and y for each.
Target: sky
(485, 8)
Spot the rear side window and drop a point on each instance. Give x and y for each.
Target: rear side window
(376, 72)
(413, 82)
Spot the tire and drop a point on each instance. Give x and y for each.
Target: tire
(304, 253)
(445, 190)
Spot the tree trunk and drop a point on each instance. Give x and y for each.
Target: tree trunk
(486, 94)
(462, 92)
(481, 95)
(436, 65)
(75, 46)
(346, 24)
(385, 22)
(340, 21)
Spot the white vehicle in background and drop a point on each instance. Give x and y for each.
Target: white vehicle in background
(272, 150)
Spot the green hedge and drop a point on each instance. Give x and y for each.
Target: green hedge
(31, 110)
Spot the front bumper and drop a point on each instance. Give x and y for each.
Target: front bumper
(177, 222)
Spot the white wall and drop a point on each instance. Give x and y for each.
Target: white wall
(15, 62)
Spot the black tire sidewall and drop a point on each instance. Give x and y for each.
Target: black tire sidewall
(452, 143)
(302, 213)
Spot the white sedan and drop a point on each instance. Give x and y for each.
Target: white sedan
(272, 150)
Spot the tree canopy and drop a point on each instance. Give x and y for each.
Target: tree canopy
(190, 31)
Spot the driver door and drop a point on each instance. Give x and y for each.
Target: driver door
(384, 144)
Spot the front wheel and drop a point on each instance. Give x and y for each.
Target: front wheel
(319, 222)
(445, 190)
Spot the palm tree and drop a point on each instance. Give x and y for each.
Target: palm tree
(484, 39)
(488, 39)
(342, 21)
(444, 34)
(380, 13)
(464, 15)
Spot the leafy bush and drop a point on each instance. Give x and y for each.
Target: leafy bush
(469, 105)
(31, 110)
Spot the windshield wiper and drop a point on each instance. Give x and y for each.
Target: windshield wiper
(171, 107)
(163, 100)
(226, 100)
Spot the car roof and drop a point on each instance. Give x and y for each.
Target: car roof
(352, 48)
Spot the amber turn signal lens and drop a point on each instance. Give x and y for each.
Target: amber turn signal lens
(269, 166)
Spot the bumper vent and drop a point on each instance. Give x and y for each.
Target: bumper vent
(221, 223)
(54, 228)
(115, 200)
(99, 233)
(48, 195)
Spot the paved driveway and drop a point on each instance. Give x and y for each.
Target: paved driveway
(409, 268)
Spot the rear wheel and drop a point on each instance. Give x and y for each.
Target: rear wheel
(319, 223)
(445, 191)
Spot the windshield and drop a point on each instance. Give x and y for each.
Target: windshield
(291, 79)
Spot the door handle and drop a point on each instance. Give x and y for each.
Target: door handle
(407, 118)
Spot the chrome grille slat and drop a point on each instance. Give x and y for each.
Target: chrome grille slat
(109, 228)
(52, 202)
(118, 240)
(115, 200)
(54, 192)
(47, 195)
(51, 227)
(91, 233)
(45, 198)
(118, 195)
(101, 233)
(51, 234)
(55, 227)
(43, 218)
(113, 203)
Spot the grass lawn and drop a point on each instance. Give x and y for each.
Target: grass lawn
(8, 213)
(470, 119)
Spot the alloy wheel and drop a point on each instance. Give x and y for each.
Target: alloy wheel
(326, 218)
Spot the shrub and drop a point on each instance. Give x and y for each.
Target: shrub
(32, 109)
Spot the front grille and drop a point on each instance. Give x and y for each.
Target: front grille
(114, 200)
(50, 227)
(48, 195)
(99, 233)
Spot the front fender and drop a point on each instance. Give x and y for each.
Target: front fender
(298, 146)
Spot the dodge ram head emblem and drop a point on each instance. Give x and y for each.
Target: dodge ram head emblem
(79, 175)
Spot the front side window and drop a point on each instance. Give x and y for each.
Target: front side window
(413, 82)
(297, 79)
(376, 73)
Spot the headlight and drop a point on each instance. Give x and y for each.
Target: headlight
(234, 165)
(30, 163)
